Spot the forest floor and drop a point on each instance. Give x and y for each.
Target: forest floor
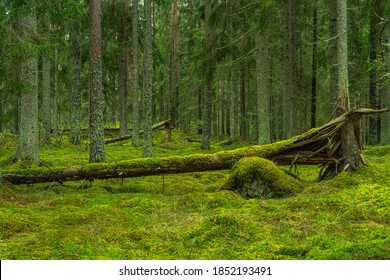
(191, 216)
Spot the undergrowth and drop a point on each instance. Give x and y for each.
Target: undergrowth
(192, 216)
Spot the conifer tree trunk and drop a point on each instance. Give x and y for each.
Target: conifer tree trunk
(349, 146)
(290, 112)
(55, 94)
(263, 102)
(75, 108)
(135, 97)
(124, 76)
(174, 63)
(234, 103)
(96, 101)
(314, 69)
(384, 90)
(148, 80)
(46, 108)
(333, 93)
(28, 106)
(207, 98)
(375, 13)
(2, 96)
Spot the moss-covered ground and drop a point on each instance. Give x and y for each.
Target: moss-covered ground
(191, 216)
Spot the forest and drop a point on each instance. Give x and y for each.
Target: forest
(203, 129)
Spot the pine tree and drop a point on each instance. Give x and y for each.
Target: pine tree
(96, 101)
(147, 149)
(28, 144)
(135, 97)
(75, 108)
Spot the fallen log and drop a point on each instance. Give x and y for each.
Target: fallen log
(317, 146)
(128, 136)
(191, 140)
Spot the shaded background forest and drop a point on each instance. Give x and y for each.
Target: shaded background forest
(235, 50)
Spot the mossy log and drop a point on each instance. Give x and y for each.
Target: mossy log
(317, 146)
(125, 137)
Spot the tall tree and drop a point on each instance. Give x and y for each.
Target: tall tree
(384, 89)
(147, 149)
(375, 14)
(208, 88)
(174, 62)
(96, 101)
(290, 110)
(263, 97)
(28, 145)
(135, 97)
(75, 108)
(46, 91)
(124, 74)
(349, 144)
(314, 69)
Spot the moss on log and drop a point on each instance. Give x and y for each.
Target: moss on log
(254, 177)
(321, 145)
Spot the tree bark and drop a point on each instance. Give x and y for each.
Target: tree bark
(263, 96)
(147, 150)
(124, 74)
(135, 97)
(208, 88)
(75, 108)
(290, 115)
(314, 69)
(55, 94)
(374, 128)
(384, 90)
(46, 108)
(96, 122)
(28, 144)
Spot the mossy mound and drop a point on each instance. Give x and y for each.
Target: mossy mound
(255, 177)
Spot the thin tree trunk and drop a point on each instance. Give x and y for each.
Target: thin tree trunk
(135, 98)
(147, 150)
(174, 63)
(234, 103)
(96, 122)
(55, 94)
(243, 116)
(290, 113)
(46, 108)
(373, 137)
(333, 93)
(263, 102)
(28, 143)
(75, 108)
(2, 96)
(314, 69)
(384, 90)
(124, 75)
(207, 99)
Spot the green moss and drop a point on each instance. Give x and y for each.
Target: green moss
(259, 177)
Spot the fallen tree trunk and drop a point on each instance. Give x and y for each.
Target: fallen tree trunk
(125, 137)
(318, 146)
